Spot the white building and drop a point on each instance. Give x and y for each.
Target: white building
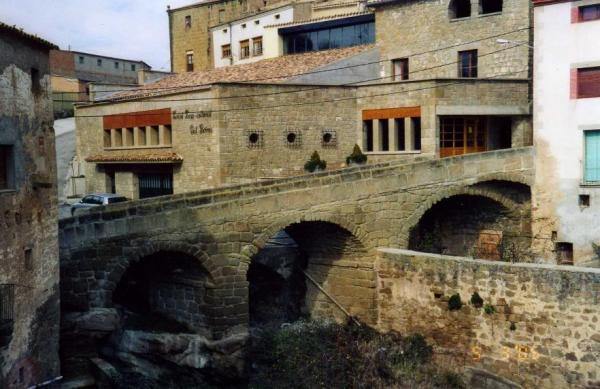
(244, 41)
(266, 34)
(566, 193)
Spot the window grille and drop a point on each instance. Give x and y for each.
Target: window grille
(254, 139)
(329, 139)
(7, 302)
(292, 139)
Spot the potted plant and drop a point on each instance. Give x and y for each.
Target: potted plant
(315, 163)
(357, 157)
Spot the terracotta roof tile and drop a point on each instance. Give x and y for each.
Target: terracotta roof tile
(276, 69)
(135, 157)
(321, 19)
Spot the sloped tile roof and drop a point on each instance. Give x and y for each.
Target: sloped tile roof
(276, 69)
(5, 28)
(135, 157)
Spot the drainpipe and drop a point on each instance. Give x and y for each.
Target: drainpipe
(230, 44)
(330, 297)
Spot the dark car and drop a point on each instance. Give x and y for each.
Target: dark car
(97, 199)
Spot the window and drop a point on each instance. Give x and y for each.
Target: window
(564, 253)
(584, 200)
(132, 67)
(400, 69)
(459, 9)
(7, 313)
(490, 6)
(188, 21)
(99, 62)
(244, 49)
(257, 22)
(35, 80)
(189, 58)
(243, 25)
(592, 156)
(277, 16)
(368, 135)
(154, 136)
(254, 139)
(588, 82)
(221, 15)
(28, 258)
(329, 38)
(116, 65)
(589, 12)
(257, 46)
(467, 64)
(81, 59)
(6, 167)
(226, 51)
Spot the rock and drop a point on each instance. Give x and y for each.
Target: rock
(103, 320)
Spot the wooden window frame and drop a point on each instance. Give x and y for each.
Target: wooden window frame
(189, 61)
(470, 71)
(245, 49)
(255, 41)
(226, 51)
(403, 65)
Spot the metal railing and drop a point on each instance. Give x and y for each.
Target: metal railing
(7, 302)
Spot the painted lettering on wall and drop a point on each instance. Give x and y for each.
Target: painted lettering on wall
(191, 115)
(196, 129)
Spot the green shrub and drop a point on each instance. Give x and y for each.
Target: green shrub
(315, 163)
(455, 303)
(317, 354)
(476, 300)
(357, 156)
(489, 309)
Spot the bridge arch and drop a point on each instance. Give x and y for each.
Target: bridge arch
(488, 204)
(318, 254)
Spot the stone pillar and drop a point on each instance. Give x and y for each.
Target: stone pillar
(393, 134)
(376, 135)
(409, 143)
(127, 184)
(521, 132)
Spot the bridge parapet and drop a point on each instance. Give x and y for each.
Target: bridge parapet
(512, 164)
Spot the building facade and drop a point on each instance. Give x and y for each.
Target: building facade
(567, 130)
(29, 270)
(471, 90)
(74, 71)
(200, 33)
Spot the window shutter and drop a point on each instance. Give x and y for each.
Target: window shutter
(588, 82)
(592, 156)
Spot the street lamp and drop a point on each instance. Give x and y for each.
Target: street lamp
(516, 43)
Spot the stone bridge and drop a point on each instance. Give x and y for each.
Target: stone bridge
(187, 256)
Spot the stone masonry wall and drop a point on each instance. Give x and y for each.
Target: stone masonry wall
(28, 217)
(544, 329)
(224, 228)
(401, 26)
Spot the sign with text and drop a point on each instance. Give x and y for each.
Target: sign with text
(195, 127)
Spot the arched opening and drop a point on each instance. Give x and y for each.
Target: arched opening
(459, 9)
(477, 225)
(311, 269)
(165, 291)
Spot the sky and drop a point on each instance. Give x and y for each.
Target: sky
(130, 29)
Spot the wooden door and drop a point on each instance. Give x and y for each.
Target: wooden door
(460, 135)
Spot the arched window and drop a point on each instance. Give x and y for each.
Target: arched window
(459, 9)
(490, 6)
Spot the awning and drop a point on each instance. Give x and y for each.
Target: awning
(136, 158)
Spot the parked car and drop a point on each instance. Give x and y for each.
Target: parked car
(95, 200)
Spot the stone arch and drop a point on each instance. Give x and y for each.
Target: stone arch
(507, 202)
(151, 247)
(342, 222)
(333, 257)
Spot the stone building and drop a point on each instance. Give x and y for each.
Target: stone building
(201, 32)
(204, 129)
(72, 73)
(427, 97)
(567, 131)
(29, 270)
